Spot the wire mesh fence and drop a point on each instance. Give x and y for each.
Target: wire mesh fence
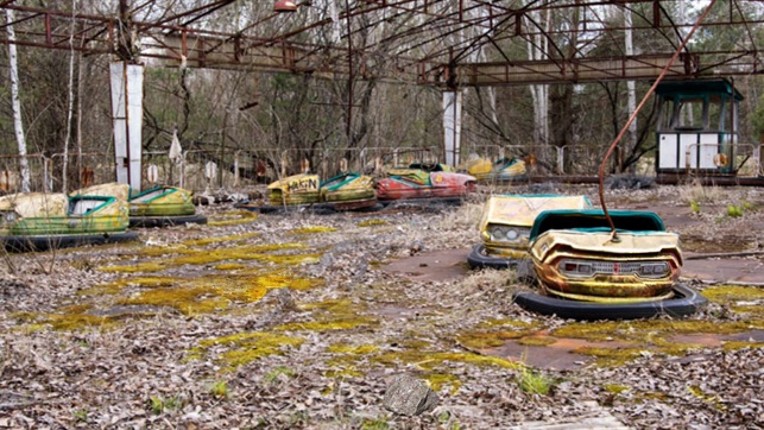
(201, 170)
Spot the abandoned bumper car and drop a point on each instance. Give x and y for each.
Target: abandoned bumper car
(39, 221)
(426, 183)
(158, 206)
(587, 272)
(505, 226)
(344, 192)
(501, 170)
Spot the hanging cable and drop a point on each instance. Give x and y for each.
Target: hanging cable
(633, 116)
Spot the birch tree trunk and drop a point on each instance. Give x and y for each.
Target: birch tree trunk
(16, 103)
(70, 108)
(631, 92)
(79, 120)
(538, 48)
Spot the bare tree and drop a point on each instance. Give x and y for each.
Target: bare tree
(70, 108)
(17, 122)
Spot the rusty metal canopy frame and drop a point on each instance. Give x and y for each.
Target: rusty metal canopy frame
(447, 43)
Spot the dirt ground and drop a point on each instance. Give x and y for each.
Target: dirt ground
(302, 321)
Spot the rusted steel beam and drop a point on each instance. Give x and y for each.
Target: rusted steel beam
(423, 59)
(582, 70)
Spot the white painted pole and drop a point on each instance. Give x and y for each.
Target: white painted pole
(452, 125)
(127, 114)
(631, 90)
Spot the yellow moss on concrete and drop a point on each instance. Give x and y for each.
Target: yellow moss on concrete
(726, 294)
(143, 267)
(193, 296)
(331, 315)
(672, 347)
(372, 223)
(312, 230)
(68, 318)
(712, 399)
(740, 299)
(439, 381)
(610, 357)
(616, 388)
(115, 287)
(344, 363)
(247, 253)
(345, 372)
(188, 300)
(232, 218)
(509, 323)
(163, 251)
(429, 360)
(230, 266)
(245, 347)
(638, 331)
(320, 326)
(656, 336)
(536, 340)
(230, 238)
(734, 345)
(344, 348)
(496, 332)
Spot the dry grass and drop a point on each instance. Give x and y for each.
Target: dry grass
(695, 192)
(489, 279)
(466, 216)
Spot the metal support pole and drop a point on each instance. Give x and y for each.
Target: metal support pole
(452, 125)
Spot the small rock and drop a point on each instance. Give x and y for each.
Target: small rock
(409, 396)
(283, 299)
(416, 247)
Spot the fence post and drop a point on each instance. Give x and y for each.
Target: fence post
(236, 169)
(45, 174)
(560, 160)
(183, 169)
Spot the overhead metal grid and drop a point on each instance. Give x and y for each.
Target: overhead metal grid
(432, 42)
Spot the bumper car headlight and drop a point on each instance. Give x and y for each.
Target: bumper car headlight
(507, 233)
(512, 234)
(497, 233)
(10, 216)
